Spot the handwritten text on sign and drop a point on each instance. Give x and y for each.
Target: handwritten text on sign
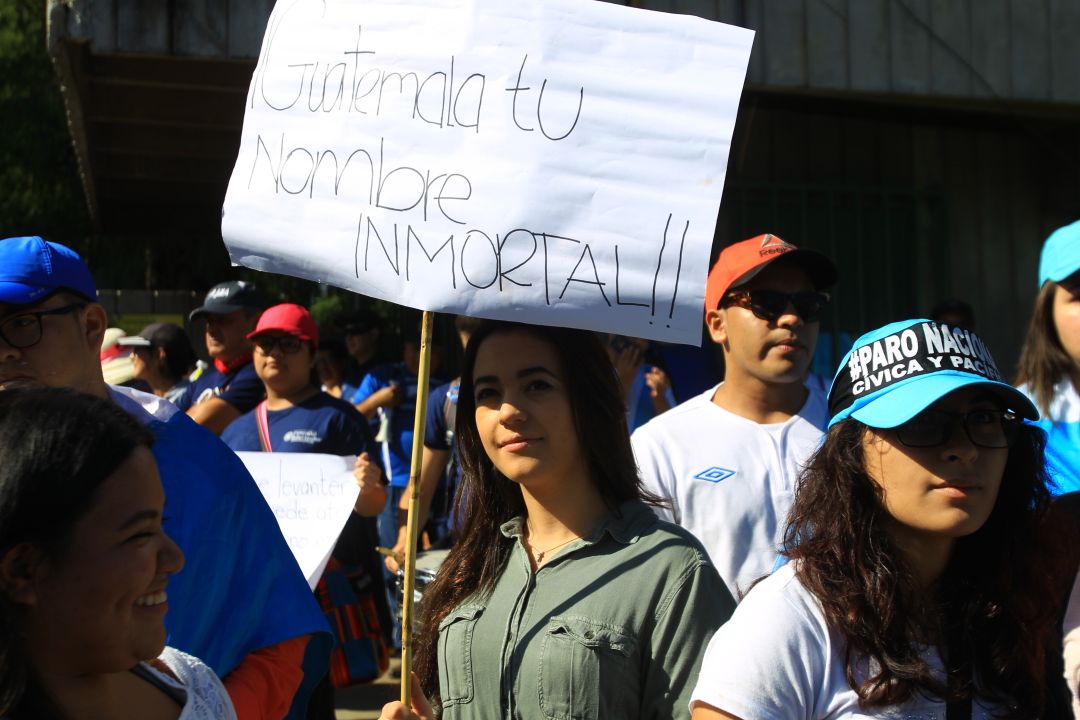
(312, 496)
(559, 162)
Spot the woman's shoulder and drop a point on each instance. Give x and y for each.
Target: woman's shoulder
(242, 433)
(782, 598)
(637, 524)
(323, 401)
(207, 698)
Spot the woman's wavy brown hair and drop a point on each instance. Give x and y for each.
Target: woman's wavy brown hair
(487, 499)
(990, 617)
(1043, 360)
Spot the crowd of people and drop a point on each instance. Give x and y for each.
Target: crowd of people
(899, 540)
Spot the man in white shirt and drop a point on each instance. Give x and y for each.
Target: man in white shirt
(729, 459)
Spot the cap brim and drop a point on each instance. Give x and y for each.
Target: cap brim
(288, 331)
(118, 370)
(214, 310)
(16, 293)
(906, 400)
(134, 341)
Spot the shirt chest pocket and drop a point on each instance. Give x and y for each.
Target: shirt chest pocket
(455, 655)
(587, 668)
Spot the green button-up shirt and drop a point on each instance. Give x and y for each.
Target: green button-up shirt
(612, 627)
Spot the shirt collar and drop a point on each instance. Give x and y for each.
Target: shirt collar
(625, 524)
(225, 368)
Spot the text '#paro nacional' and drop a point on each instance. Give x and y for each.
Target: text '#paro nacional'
(923, 348)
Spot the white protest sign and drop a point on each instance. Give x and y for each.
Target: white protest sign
(547, 161)
(312, 496)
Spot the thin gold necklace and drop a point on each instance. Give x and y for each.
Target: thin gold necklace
(541, 554)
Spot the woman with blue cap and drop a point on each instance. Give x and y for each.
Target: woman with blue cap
(914, 587)
(1050, 375)
(1050, 361)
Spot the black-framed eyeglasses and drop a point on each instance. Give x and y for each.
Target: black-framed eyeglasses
(771, 304)
(289, 344)
(24, 330)
(985, 428)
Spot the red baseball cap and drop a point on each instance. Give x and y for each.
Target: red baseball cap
(288, 318)
(740, 262)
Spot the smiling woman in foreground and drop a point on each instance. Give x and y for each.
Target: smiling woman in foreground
(914, 587)
(566, 596)
(84, 569)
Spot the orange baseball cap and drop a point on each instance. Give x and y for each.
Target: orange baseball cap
(740, 262)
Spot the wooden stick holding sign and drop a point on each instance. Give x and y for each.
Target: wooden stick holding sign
(412, 532)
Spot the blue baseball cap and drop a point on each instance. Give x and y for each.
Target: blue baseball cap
(892, 374)
(31, 269)
(1060, 254)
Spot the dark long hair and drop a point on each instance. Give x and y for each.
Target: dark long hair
(487, 499)
(991, 612)
(1043, 360)
(57, 446)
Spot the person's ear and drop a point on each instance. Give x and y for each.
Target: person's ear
(716, 323)
(97, 321)
(160, 355)
(19, 569)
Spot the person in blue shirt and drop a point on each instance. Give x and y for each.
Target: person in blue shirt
(646, 387)
(388, 393)
(229, 388)
(360, 331)
(299, 417)
(440, 472)
(331, 363)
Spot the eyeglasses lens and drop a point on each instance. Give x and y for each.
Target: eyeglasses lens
(287, 343)
(24, 330)
(985, 428)
(21, 331)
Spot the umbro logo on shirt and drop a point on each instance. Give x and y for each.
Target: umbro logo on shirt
(714, 474)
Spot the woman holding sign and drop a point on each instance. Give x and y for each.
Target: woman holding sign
(85, 568)
(298, 417)
(565, 595)
(915, 587)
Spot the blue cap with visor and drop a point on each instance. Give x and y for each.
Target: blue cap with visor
(1060, 254)
(31, 269)
(892, 374)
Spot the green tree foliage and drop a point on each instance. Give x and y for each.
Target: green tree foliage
(40, 192)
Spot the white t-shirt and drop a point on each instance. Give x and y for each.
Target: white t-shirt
(730, 480)
(776, 659)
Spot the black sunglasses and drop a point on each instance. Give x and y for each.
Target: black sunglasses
(771, 304)
(289, 344)
(985, 428)
(24, 330)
